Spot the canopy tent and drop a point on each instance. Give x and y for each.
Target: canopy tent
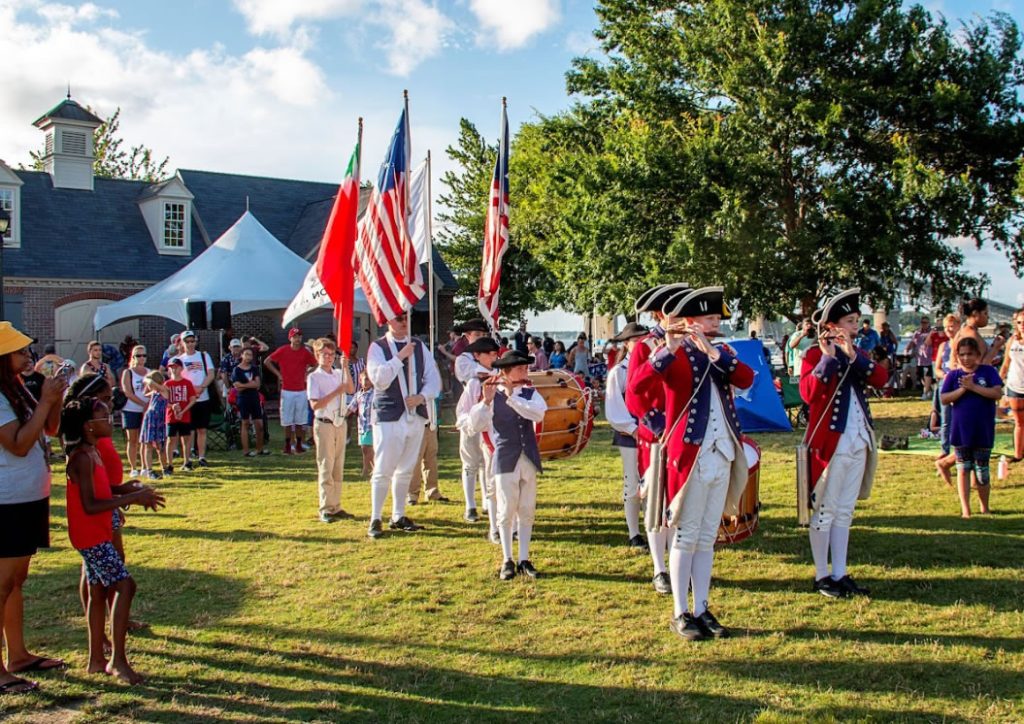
(759, 407)
(246, 266)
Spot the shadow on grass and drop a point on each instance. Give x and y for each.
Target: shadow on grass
(234, 536)
(348, 688)
(901, 639)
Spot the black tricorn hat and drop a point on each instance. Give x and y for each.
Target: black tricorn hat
(630, 331)
(512, 358)
(839, 306)
(484, 344)
(654, 298)
(473, 325)
(697, 303)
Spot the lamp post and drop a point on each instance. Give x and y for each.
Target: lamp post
(5, 224)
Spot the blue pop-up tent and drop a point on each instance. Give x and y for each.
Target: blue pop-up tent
(759, 407)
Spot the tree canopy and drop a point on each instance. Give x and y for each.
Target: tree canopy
(781, 148)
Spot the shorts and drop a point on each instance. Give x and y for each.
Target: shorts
(974, 458)
(118, 519)
(294, 408)
(1013, 394)
(103, 567)
(131, 420)
(24, 528)
(366, 437)
(200, 415)
(924, 371)
(250, 408)
(183, 429)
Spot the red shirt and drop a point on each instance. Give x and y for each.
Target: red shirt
(111, 458)
(180, 392)
(935, 340)
(84, 530)
(611, 354)
(293, 364)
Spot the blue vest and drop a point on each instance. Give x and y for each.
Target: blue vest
(390, 404)
(514, 435)
(700, 409)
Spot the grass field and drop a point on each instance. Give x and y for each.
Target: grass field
(259, 612)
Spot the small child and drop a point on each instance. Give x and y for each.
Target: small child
(364, 411)
(154, 426)
(91, 499)
(246, 380)
(181, 396)
(972, 390)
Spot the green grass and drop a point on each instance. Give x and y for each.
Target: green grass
(261, 613)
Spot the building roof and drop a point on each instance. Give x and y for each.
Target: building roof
(101, 234)
(69, 110)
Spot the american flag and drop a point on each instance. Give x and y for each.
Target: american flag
(495, 231)
(385, 256)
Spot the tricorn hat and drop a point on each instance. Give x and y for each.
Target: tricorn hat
(697, 303)
(473, 325)
(654, 298)
(839, 306)
(512, 358)
(484, 344)
(630, 331)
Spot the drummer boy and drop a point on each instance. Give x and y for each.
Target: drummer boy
(508, 412)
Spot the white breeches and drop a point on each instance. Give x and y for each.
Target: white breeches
(630, 473)
(845, 476)
(396, 451)
(703, 502)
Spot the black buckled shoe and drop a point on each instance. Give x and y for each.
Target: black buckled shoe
(405, 524)
(688, 627)
(472, 516)
(710, 623)
(527, 569)
(829, 587)
(662, 583)
(376, 529)
(850, 587)
(638, 541)
(508, 570)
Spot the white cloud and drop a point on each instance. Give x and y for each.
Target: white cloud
(60, 13)
(510, 25)
(279, 16)
(418, 31)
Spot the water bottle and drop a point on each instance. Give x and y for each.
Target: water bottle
(1004, 468)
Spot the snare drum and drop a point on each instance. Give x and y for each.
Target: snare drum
(735, 528)
(569, 419)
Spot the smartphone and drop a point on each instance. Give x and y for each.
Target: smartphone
(66, 371)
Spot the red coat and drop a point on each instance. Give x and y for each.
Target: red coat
(672, 378)
(648, 408)
(819, 379)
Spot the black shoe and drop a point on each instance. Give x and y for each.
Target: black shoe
(714, 629)
(527, 569)
(188, 466)
(341, 515)
(638, 541)
(850, 587)
(830, 588)
(662, 583)
(688, 627)
(169, 470)
(438, 499)
(508, 570)
(376, 529)
(471, 515)
(202, 463)
(405, 524)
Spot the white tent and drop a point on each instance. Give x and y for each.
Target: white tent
(246, 266)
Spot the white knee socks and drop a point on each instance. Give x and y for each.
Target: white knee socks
(819, 551)
(658, 543)
(469, 490)
(700, 577)
(839, 541)
(378, 494)
(632, 506)
(680, 564)
(525, 532)
(399, 493)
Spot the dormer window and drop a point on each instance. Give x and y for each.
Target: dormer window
(174, 226)
(9, 205)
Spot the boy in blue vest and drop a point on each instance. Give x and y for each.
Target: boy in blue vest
(404, 377)
(507, 413)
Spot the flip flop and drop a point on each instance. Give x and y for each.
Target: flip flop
(40, 663)
(18, 686)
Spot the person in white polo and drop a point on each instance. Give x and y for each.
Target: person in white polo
(291, 363)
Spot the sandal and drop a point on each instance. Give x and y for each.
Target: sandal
(40, 663)
(18, 686)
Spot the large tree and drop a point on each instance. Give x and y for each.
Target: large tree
(524, 281)
(114, 161)
(783, 148)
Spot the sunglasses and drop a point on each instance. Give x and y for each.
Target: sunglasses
(138, 355)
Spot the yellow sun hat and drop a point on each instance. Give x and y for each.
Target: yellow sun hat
(11, 340)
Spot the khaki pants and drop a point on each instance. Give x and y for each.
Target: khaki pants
(426, 468)
(330, 464)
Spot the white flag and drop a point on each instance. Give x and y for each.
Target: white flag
(312, 295)
(417, 203)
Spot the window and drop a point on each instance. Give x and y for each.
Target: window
(174, 226)
(7, 204)
(73, 143)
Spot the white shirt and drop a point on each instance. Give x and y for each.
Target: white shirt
(465, 367)
(718, 436)
(1015, 373)
(481, 415)
(472, 393)
(857, 435)
(382, 372)
(193, 371)
(319, 384)
(615, 400)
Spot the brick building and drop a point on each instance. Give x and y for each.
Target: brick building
(76, 242)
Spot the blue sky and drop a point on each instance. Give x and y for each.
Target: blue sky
(274, 87)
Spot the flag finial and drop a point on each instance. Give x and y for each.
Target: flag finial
(69, 90)
(504, 101)
(405, 94)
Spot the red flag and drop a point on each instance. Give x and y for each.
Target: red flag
(334, 263)
(495, 231)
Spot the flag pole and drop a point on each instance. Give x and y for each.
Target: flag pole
(359, 164)
(428, 225)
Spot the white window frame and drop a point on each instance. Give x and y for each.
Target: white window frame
(13, 238)
(166, 221)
